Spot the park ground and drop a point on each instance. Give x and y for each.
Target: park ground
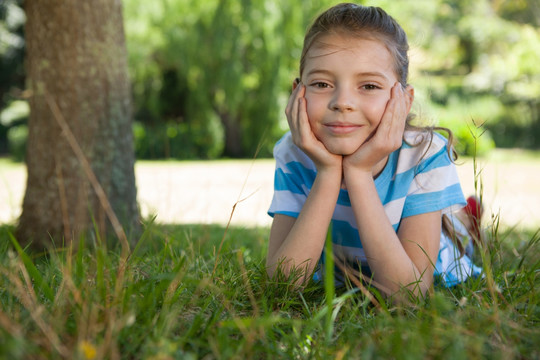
(205, 192)
(202, 292)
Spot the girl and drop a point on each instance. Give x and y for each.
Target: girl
(352, 159)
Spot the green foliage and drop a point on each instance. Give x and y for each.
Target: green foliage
(493, 79)
(467, 122)
(13, 119)
(197, 291)
(177, 140)
(211, 78)
(17, 137)
(11, 61)
(223, 66)
(229, 65)
(11, 46)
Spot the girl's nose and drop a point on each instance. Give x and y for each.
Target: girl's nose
(342, 102)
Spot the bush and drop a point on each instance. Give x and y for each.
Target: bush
(467, 119)
(17, 138)
(514, 127)
(177, 140)
(13, 122)
(473, 140)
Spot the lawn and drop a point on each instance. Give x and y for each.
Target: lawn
(201, 292)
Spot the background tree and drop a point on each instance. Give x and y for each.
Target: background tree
(211, 77)
(76, 70)
(214, 80)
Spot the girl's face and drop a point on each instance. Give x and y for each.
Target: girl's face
(348, 83)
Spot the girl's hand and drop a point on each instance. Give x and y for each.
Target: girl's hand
(303, 136)
(388, 136)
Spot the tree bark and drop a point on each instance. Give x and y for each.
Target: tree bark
(77, 60)
(233, 136)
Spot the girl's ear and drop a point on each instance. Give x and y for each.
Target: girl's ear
(409, 91)
(295, 83)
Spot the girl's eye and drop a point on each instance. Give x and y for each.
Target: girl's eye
(320, 85)
(370, 87)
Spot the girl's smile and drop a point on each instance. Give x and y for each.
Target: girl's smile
(338, 128)
(348, 84)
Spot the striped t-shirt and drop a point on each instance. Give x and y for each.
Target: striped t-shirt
(416, 180)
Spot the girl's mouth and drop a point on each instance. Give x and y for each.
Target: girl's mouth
(342, 128)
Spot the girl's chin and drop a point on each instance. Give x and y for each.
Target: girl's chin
(342, 152)
(342, 149)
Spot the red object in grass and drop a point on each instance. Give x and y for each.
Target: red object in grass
(474, 207)
(474, 210)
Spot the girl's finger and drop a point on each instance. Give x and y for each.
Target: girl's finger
(292, 99)
(303, 122)
(297, 117)
(292, 107)
(402, 106)
(398, 108)
(389, 114)
(390, 130)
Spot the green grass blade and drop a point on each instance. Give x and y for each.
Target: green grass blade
(32, 270)
(329, 286)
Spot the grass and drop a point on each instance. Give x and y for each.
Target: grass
(8, 164)
(201, 292)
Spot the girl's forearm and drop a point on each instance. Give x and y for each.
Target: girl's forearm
(389, 262)
(304, 242)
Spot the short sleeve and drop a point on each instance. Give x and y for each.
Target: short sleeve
(293, 178)
(436, 183)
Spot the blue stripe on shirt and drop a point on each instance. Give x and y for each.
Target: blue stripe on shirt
(439, 159)
(433, 201)
(344, 234)
(283, 212)
(399, 191)
(288, 182)
(299, 175)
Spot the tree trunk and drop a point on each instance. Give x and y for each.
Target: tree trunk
(233, 136)
(77, 60)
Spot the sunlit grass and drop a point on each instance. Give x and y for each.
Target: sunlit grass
(7, 163)
(201, 291)
(176, 301)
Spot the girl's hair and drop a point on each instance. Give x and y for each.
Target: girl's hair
(368, 22)
(365, 22)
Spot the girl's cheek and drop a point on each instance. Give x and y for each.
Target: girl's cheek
(381, 105)
(310, 107)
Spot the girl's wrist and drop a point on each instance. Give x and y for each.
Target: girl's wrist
(330, 174)
(356, 170)
(334, 166)
(359, 169)
(357, 174)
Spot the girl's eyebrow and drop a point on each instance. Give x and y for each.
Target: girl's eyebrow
(360, 74)
(372, 74)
